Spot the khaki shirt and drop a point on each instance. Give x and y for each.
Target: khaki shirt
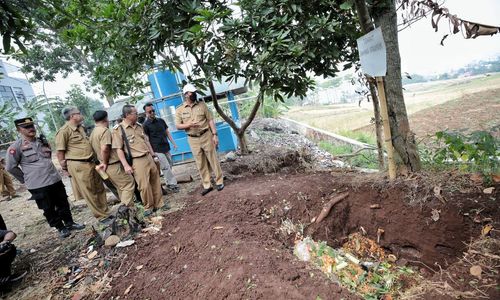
(31, 164)
(74, 141)
(136, 139)
(198, 113)
(102, 136)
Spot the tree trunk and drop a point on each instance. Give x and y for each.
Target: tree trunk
(402, 138)
(242, 142)
(240, 132)
(109, 99)
(378, 124)
(366, 26)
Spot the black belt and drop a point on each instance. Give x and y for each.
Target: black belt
(199, 134)
(82, 160)
(139, 156)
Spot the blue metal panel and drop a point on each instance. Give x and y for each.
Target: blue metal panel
(233, 106)
(227, 142)
(165, 83)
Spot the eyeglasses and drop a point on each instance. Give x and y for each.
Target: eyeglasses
(30, 126)
(151, 111)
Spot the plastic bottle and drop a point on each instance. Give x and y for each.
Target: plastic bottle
(103, 173)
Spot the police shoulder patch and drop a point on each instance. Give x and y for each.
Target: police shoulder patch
(116, 126)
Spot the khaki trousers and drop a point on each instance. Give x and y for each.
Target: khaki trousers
(90, 186)
(6, 186)
(147, 177)
(205, 155)
(123, 182)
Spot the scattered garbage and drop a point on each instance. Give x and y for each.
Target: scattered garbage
(92, 254)
(380, 233)
(476, 271)
(302, 249)
(489, 190)
(128, 289)
(112, 241)
(435, 215)
(359, 265)
(230, 156)
(486, 229)
(125, 243)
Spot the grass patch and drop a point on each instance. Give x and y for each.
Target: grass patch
(366, 159)
(335, 149)
(360, 136)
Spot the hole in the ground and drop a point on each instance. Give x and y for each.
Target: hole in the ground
(410, 251)
(408, 231)
(445, 249)
(403, 229)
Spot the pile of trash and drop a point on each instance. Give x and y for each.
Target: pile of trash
(266, 132)
(359, 265)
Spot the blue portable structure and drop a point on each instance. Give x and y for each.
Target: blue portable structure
(167, 92)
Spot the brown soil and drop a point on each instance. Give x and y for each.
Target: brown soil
(234, 244)
(471, 112)
(478, 111)
(229, 244)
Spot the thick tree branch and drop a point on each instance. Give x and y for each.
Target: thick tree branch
(253, 113)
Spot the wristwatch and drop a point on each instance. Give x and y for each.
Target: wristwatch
(214, 133)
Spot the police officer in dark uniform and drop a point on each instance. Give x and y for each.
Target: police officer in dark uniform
(29, 160)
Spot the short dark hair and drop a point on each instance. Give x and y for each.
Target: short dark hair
(147, 105)
(100, 115)
(127, 109)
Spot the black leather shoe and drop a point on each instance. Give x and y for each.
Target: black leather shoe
(14, 278)
(173, 188)
(75, 226)
(165, 206)
(106, 221)
(206, 191)
(64, 232)
(220, 187)
(164, 191)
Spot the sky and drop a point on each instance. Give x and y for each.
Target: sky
(420, 47)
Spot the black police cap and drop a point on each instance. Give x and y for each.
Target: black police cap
(24, 122)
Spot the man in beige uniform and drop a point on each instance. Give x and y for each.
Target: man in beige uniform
(198, 121)
(100, 139)
(6, 186)
(142, 165)
(75, 156)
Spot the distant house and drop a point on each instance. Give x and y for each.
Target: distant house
(13, 90)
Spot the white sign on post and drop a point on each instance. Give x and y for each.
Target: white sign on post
(372, 53)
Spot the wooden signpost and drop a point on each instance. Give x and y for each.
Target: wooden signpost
(372, 54)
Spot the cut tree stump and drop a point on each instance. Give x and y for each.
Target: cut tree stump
(328, 207)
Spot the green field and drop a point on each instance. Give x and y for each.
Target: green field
(344, 118)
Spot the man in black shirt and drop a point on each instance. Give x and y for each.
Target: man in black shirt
(7, 255)
(157, 131)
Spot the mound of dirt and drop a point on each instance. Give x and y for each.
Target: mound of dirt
(270, 160)
(238, 243)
